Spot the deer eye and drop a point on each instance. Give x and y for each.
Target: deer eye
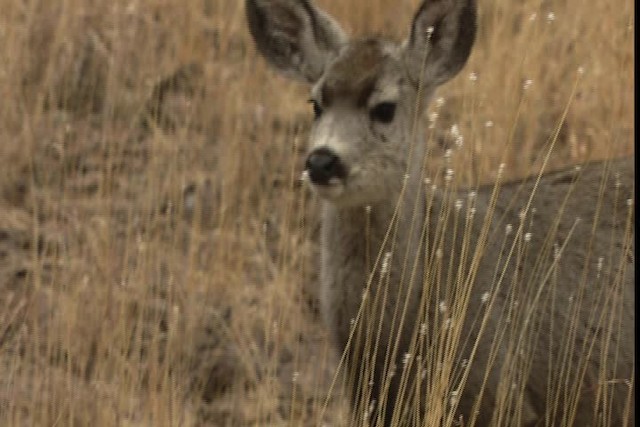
(383, 112)
(317, 109)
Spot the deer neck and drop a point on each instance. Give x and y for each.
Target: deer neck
(356, 241)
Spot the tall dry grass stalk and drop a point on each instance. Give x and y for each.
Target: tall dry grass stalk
(157, 255)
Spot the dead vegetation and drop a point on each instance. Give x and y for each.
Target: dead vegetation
(156, 251)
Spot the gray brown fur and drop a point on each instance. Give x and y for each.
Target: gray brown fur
(350, 78)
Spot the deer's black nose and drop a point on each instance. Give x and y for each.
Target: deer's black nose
(322, 165)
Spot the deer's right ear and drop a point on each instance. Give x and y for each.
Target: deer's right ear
(294, 36)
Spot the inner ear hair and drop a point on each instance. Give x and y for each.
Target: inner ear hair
(294, 36)
(444, 31)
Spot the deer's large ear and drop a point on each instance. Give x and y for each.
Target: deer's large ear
(442, 34)
(294, 36)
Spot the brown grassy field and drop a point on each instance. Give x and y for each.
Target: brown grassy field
(157, 251)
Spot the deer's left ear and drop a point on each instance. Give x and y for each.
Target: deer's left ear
(441, 38)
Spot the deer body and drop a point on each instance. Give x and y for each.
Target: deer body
(415, 287)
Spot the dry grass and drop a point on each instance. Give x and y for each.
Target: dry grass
(156, 252)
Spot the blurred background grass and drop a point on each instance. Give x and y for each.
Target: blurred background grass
(157, 253)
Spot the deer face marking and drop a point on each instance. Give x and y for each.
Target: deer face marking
(359, 142)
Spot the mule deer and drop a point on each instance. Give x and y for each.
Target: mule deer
(517, 309)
